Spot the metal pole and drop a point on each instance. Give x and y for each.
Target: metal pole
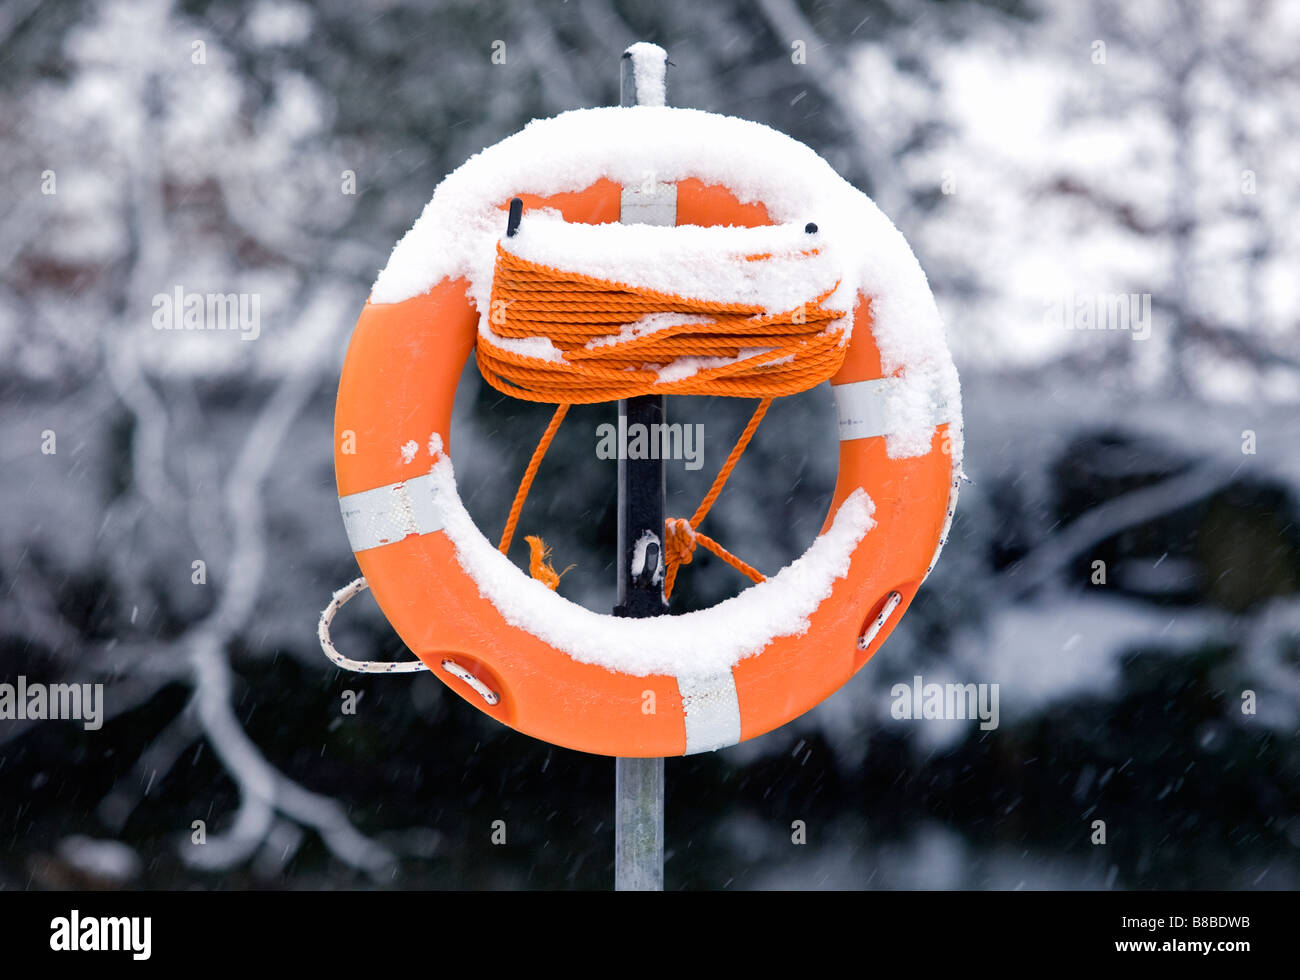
(639, 783)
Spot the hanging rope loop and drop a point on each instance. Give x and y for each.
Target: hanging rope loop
(340, 599)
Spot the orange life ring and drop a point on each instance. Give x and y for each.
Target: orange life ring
(398, 386)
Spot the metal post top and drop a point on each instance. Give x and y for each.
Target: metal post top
(643, 75)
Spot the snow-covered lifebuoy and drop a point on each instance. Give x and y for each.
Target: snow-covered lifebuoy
(515, 649)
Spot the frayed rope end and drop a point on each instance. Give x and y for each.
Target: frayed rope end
(539, 563)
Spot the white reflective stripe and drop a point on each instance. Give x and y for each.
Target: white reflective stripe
(867, 408)
(387, 514)
(712, 710)
(654, 204)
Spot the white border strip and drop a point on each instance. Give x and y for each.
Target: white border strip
(867, 408)
(386, 514)
(712, 710)
(649, 204)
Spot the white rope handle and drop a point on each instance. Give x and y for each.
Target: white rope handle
(483, 691)
(891, 604)
(340, 599)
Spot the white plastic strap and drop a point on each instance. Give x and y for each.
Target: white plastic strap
(651, 204)
(712, 709)
(867, 408)
(389, 513)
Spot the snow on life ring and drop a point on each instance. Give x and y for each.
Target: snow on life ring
(522, 653)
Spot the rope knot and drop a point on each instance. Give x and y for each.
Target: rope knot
(679, 542)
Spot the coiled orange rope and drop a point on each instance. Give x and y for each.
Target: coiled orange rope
(759, 354)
